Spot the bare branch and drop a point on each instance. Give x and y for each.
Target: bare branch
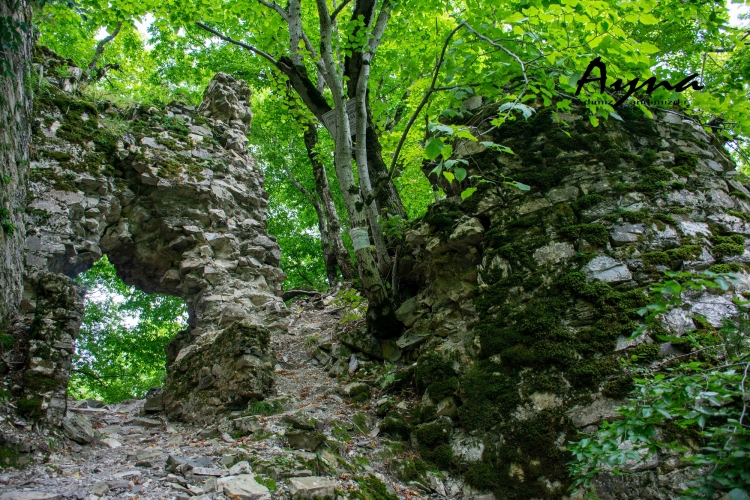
(99, 51)
(278, 8)
(339, 9)
(239, 44)
(425, 99)
(511, 54)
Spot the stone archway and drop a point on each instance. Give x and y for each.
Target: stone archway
(176, 202)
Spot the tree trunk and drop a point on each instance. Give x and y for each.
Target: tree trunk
(331, 217)
(381, 315)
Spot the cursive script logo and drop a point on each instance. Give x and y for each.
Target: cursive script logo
(632, 86)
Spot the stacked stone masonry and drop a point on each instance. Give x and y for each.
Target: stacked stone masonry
(176, 202)
(520, 305)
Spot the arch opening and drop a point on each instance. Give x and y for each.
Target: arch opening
(120, 350)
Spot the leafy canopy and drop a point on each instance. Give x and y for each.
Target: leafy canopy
(120, 348)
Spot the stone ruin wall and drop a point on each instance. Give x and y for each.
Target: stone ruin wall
(15, 115)
(176, 202)
(521, 304)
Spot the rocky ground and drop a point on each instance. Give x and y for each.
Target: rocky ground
(319, 437)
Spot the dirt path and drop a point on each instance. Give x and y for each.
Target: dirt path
(307, 441)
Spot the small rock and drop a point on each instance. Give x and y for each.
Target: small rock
(304, 440)
(244, 487)
(607, 269)
(78, 428)
(208, 433)
(99, 489)
(154, 400)
(312, 487)
(208, 471)
(112, 443)
(30, 495)
(299, 421)
(240, 468)
(146, 422)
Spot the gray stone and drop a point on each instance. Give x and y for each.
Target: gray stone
(147, 453)
(607, 269)
(623, 343)
(689, 228)
(304, 440)
(208, 471)
(305, 488)
(151, 143)
(359, 339)
(715, 308)
(78, 428)
(154, 400)
(299, 421)
(412, 338)
(626, 233)
(677, 321)
(534, 206)
(467, 449)
(731, 223)
(595, 413)
(468, 233)
(554, 252)
(406, 312)
(244, 487)
(562, 194)
(174, 461)
(146, 422)
(447, 407)
(111, 443)
(248, 425)
(242, 467)
(99, 489)
(30, 495)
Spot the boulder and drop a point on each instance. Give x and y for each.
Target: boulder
(304, 440)
(78, 428)
(312, 487)
(154, 400)
(245, 487)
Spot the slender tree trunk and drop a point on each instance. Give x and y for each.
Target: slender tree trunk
(99, 51)
(381, 317)
(331, 217)
(328, 257)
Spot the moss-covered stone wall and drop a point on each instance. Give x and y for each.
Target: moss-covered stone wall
(175, 200)
(520, 306)
(15, 136)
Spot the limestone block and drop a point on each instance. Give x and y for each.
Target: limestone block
(308, 488)
(607, 269)
(244, 487)
(78, 428)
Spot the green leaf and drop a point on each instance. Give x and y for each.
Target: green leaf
(738, 494)
(468, 192)
(594, 120)
(519, 185)
(449, 176)
(460, 174)
(433, 148)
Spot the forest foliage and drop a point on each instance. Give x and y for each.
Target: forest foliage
(120, 348)
(424, 62)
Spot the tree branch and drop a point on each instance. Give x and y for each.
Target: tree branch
(425, 99)
(278, 8)
(99, 51)
(511, 54)
(241, 44)
(339, 9)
